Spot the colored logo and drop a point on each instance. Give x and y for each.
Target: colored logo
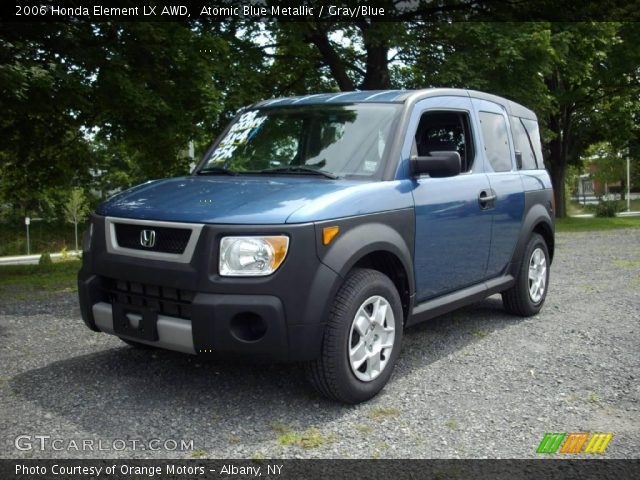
(576, 442)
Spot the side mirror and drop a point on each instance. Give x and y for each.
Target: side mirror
(439, 164)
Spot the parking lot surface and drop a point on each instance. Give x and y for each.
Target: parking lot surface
(474, 383)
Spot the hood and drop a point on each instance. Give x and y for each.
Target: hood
(248, 199)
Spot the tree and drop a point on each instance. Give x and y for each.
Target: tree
(582, 79)
(117, 103)
(610, 164)
(41, 101)
(138, 89)
(75, 209)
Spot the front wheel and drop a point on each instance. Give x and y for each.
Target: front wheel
(527, 296)
(361, 340)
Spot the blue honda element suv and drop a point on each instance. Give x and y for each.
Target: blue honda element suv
(317, 228)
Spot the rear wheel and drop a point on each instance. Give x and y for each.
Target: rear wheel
(528, 294)
(361, 340)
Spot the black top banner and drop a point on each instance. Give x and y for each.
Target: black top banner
(319, 11)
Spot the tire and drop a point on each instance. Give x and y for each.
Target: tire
(521, 299)
(141, 346)
(333, 373)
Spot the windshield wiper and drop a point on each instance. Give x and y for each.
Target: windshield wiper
(216, 171)
(301, 169)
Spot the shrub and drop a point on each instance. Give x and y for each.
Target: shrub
(608, 208)
(45, 261)
(590, 207)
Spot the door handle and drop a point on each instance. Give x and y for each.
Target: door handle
(487, 198)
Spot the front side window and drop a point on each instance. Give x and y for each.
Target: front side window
(445, 131)
(345, 140)
(496, 141)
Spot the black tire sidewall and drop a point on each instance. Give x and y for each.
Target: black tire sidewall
(356, 389)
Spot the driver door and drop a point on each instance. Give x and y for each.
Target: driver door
(453, 224)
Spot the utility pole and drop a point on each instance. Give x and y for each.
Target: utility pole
(628, 178)
(27, 221)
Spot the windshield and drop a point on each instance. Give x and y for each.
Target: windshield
(344, 140)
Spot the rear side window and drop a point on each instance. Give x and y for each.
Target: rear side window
(496, 141)
(534, 134)
(523, 144)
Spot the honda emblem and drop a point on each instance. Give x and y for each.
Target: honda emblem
(148, 238)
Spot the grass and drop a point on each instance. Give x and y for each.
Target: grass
(588, 224)
(21, 282)
(382, 446)
(379, 413)
(258, 457)
(480, 333)
(280, 429)
(308, 439)
(364, 428)
(626, 263)
(570, 224)
(452, 424)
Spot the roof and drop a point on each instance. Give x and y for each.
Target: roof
(394, 96)
(366, 96)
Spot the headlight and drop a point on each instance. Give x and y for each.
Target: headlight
(252, 256)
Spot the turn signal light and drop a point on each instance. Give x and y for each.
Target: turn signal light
(328, 234)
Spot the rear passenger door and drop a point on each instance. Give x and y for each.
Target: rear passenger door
(453, 228)
(505, 183)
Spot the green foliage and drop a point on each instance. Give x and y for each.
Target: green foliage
(581, 78)
(81, 99)
(75, 208)
(108, 105)
(610, 162)
(45, 261)
(45, 237)
(609, 208)
(509, 59)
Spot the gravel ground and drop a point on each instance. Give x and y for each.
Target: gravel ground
(475, 383)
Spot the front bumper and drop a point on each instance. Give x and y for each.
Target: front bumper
(281, 316)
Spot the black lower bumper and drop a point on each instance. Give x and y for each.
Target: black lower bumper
(189, 309)
(242, 324)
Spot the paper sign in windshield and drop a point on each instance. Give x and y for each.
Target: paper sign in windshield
(241, 131)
